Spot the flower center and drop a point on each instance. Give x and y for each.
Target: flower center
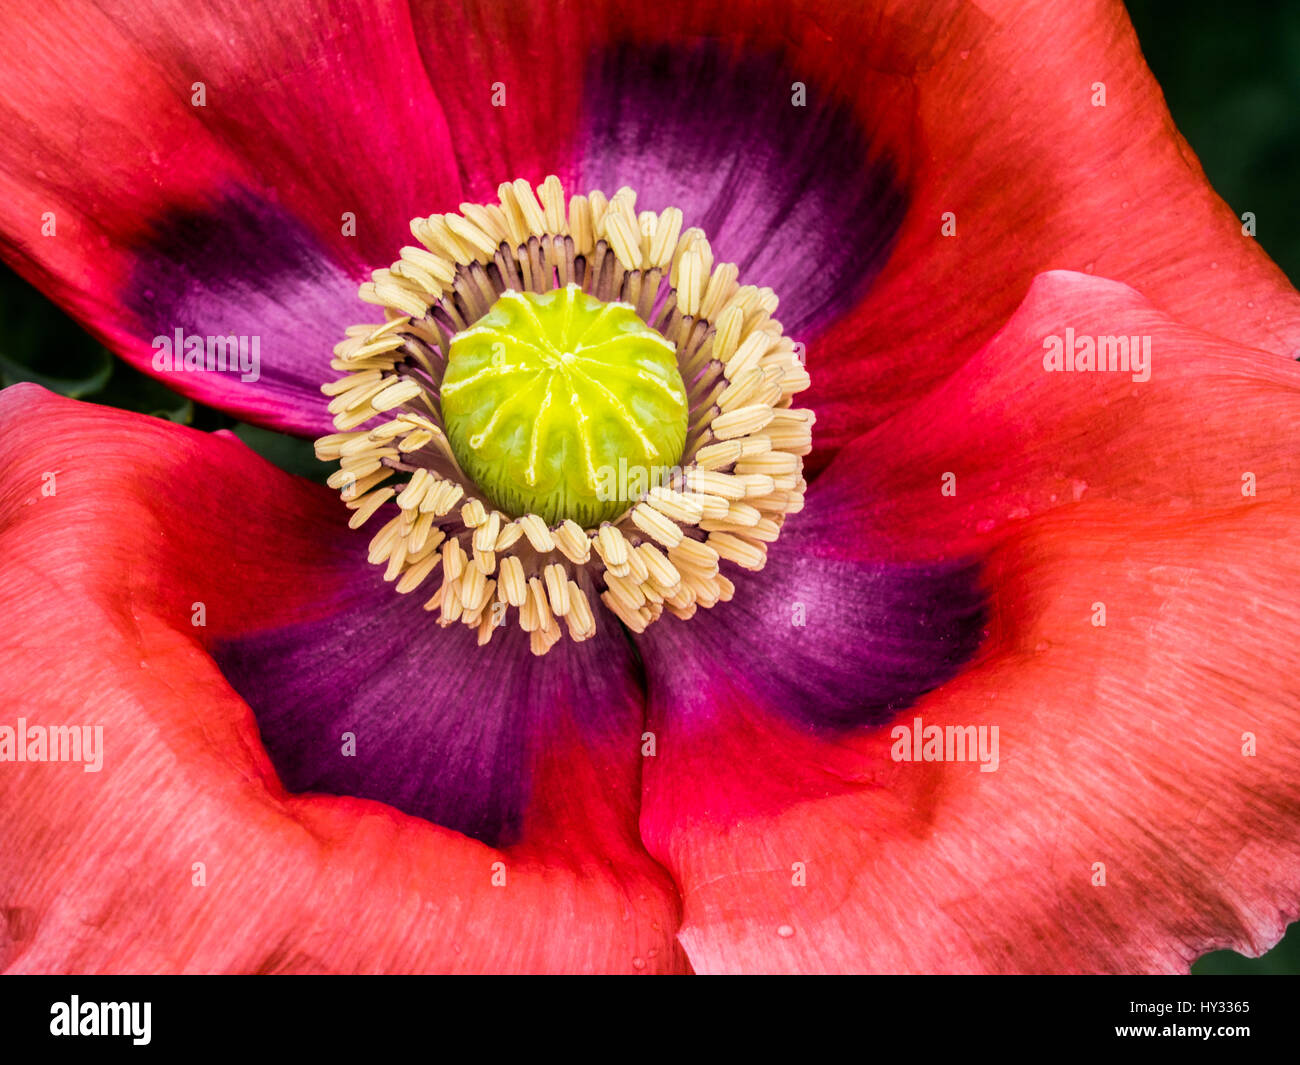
(585, 416)
(550, 396)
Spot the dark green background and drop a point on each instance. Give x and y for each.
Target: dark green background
(1231, 73)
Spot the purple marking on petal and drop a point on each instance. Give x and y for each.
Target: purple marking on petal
(795, 196)
(444, 729)
(244, 268)
(832, 643)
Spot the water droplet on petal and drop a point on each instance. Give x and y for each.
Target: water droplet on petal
(638, 963)
(785, 931)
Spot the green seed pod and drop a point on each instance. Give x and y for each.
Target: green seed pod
(561, 405)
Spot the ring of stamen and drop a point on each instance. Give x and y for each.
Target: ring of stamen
(741, 471)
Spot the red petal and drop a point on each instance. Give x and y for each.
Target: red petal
(310, 113)
(1121, 744)
(1038, 179)
(1019, 440)
(146, 520)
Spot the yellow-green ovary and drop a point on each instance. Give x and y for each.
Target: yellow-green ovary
(562, 405)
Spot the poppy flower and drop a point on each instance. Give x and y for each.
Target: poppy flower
(857, 278)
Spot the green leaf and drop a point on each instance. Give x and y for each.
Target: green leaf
(290, 453)
(81, 386)
(132, 390)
